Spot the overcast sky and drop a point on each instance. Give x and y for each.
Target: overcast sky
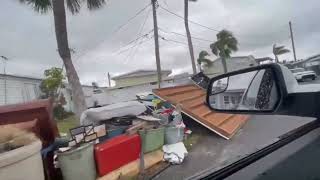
(28, 38)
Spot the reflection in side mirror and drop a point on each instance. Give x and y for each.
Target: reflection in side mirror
(255, 90)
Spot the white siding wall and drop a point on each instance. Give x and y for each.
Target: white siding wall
(233, 64)
(18, 90)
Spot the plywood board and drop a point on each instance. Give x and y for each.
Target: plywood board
(192, 100)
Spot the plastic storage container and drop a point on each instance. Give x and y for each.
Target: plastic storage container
(152, 139)
(78, 163)
(173, 135)
(22, 163)
(113, 132)
(116, 152)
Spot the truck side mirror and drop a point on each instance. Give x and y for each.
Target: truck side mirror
(258, 89)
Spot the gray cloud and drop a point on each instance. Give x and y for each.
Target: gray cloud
(28, 37)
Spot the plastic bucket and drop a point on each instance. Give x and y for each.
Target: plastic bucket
(173, 135)
(22, 163)
(152, 139)
(78, 163)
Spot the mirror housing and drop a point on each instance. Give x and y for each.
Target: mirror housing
(260, 89)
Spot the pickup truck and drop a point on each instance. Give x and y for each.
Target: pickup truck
(301, 74)
(280, 141)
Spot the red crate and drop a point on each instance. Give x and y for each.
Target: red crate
(116, 152)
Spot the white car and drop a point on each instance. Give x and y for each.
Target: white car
(301, 74)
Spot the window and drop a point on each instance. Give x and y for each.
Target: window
(226, 99)
(233, 100)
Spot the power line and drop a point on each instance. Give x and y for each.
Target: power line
(139, 33)
(201, 39)
(118, 29)
(179, 42)
(130, 19)
(193, 22)
(140, 37)
(141, 42)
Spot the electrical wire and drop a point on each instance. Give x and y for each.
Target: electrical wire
(133, 41)
(139, 33)
(141, 42)
(171, 32)
(179, 42)
(193, 22)
(130, 19)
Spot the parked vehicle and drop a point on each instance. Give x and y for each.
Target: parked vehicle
(301, 74)
(272, 89)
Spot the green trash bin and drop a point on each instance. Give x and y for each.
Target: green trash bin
(78, 163)
(152, 139)
(173, 135)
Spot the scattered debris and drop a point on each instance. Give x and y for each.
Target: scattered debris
(175, 153)
(94, 115)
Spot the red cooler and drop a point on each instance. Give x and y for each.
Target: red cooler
(116, 152)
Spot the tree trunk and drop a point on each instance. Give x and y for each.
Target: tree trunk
(64, 52)
(224, 64)
(276, 58)
(186, 23)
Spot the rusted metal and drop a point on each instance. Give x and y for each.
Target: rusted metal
(192, 100)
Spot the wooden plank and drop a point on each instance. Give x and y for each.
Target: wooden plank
(170, 90)
(200, 110)
(233, 124)
(193, 104)
(217, 118)
(185, 96)
(183, 91)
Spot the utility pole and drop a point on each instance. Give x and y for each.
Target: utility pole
(5, 59)
(109, 79)
(292, 41)
(156, 40)
(186, 24)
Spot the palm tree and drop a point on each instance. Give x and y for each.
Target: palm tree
(203, 60)
(59, 13)
(279, 50)
(186, 24)
(226, 44)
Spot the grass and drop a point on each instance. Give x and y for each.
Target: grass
(66, 124)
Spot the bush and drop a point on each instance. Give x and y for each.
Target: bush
(60, 113)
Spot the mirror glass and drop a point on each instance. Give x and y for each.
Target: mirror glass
(254, 90)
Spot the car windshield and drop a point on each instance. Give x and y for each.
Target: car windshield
(140, 69)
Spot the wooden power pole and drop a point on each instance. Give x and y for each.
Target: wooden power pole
(109, 79)
(156, 40)
(186, 24)
(292, 41)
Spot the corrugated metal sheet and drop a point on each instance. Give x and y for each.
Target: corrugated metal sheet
(192, 100)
